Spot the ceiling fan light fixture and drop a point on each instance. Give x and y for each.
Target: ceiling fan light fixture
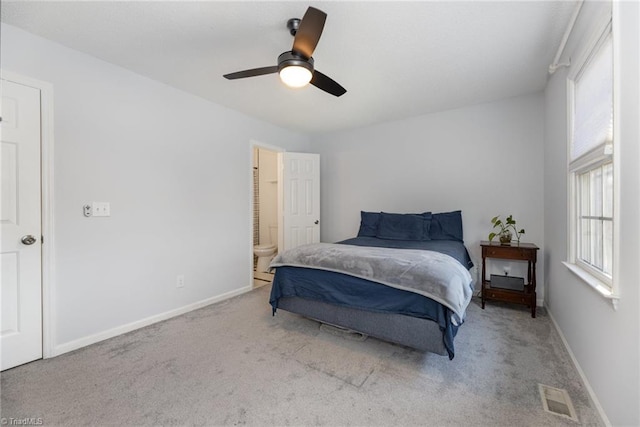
(295, 76)
(294, 70)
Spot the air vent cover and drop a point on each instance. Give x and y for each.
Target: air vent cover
(557, 401)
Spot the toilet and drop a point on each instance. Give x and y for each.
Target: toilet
(267, 251)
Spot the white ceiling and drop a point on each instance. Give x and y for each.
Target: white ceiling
(396, 59)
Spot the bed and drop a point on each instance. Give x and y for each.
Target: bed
(404, 279)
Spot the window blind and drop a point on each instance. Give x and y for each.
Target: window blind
(593, 103)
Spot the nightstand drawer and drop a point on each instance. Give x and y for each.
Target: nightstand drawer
(506, 296)
(509, 252)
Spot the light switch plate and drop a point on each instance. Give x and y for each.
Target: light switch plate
(101, 208)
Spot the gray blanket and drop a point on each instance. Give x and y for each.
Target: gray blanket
(432, 274)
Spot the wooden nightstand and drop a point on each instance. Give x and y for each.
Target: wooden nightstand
(519, 252)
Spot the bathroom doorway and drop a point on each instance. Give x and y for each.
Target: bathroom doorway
(265, 212)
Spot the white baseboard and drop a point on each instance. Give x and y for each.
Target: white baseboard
(592, 394)
(101, 336)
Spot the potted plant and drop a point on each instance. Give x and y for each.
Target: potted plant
(504, 230)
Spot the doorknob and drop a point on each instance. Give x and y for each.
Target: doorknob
(28, 239)
(317, 222)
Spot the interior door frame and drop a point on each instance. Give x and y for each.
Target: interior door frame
(47, 204)
(257, 144)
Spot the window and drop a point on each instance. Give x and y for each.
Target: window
(591, 167)
(595, 218)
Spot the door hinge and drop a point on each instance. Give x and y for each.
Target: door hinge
(42, 239)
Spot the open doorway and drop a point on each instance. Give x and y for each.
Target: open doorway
(265, 212)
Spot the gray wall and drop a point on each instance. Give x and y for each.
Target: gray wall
(485, 160)
(177, 171)
(604, 342)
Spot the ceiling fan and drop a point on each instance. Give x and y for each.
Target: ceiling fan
(295, 67)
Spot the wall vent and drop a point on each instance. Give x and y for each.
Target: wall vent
(557, 401)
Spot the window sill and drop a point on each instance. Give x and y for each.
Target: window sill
(594, 283)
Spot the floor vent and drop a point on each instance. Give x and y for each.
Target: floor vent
(557, 402)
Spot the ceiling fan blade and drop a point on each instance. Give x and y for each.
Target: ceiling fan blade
(327, 84)
(309, 32)
(251, 73)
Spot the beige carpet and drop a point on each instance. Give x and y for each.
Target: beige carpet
(232, 363)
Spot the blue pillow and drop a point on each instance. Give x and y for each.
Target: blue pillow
(446, 226)
(401, 226)
(427, 225)
(368, 224)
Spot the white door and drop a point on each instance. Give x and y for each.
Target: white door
(20, 246)
(300, 199)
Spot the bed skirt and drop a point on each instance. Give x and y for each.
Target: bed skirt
(420, 334)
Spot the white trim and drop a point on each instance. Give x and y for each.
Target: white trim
(617, 114)
(257, 144)
(47, 205)
(583, 377)
(101, 336)
(599, 155)
(603, 289)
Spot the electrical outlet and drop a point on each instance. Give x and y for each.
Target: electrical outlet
(180, 281)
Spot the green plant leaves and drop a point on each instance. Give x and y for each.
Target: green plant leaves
(509, 223)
